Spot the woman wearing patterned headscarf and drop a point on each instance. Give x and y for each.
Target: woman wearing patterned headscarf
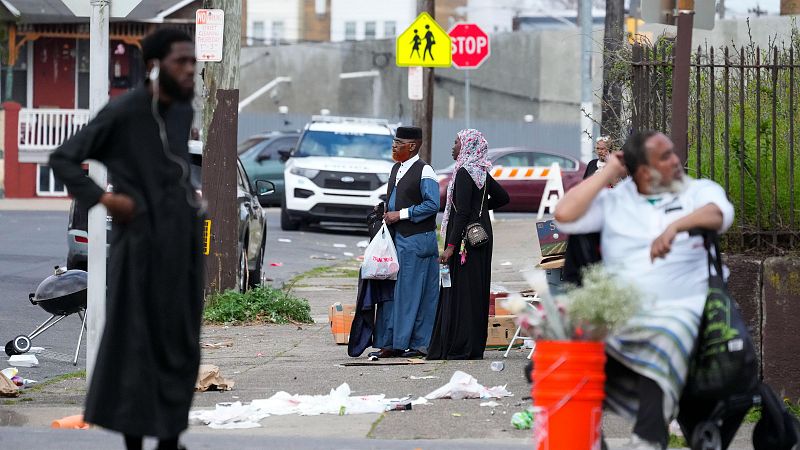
(463, 311)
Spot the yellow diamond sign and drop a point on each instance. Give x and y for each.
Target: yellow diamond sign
(424, 44)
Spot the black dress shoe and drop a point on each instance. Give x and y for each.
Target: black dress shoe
(413, 354)
(386, 353)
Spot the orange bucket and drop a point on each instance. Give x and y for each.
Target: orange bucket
(568, 392)
(71, 423)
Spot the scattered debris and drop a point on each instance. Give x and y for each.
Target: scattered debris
(23, 361)
(491, 404)
(456, 414)
(427, 377)
(497, 366)
(7, 387)
(339, 246)
(222, 344)
(348, 254)
(522, 420)
(70, 423)
(362, 244)
(464, 385)
(325, 257)
(338, 402)
(276, 264)
(507, 263)
(210, 379)
(259, 355)
(285, 241)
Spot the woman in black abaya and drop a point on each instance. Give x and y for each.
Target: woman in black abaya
(463, 312)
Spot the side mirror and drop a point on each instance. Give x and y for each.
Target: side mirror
(264, 157)
(285, 154)
(264, 188)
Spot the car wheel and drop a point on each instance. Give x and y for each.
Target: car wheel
(257, 277)
(243, 274)
(287, 224)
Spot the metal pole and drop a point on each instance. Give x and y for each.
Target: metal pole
(98, 96)
(466, 98)
(586, 79)
(422, 110)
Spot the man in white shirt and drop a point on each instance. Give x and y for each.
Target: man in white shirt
(644, 223)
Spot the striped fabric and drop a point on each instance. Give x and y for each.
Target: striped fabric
(656, 343)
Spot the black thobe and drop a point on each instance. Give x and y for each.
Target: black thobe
(591, 168)
(463, 314)
(149, 355)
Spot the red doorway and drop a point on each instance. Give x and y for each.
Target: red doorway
(54, 73)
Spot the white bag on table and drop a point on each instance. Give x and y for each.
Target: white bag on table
(380, 258)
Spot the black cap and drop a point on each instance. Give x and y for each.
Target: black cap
(409, 133)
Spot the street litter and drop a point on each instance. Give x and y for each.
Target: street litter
(70, 423)
(209, 379)
(456, 415)
(362, 244)
(286, 241)
(427, 377)
(276, 264)
(497, 366)
(36, 350)
(490, 404)
(7, 387)
(338, 402)
(464, 385)
(507, 263)
(10, 372)
(522, 420)
(348, 254)
(23, 361)
(222, 344)
(339, 246)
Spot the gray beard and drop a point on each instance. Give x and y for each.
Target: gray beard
(676, 186)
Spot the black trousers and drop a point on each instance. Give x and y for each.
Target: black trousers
(650, 424)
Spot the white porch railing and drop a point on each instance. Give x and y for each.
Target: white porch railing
(46, 129)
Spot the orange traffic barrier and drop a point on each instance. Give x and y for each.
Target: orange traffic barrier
(568, 392)
(70, 423)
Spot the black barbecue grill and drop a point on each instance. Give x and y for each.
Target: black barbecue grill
(61, 295)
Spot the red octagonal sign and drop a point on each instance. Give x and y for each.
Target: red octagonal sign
(470, 45)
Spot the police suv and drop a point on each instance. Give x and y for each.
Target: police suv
(338, 171)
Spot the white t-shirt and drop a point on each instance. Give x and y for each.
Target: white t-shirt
(629, 224)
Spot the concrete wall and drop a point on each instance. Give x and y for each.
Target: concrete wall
(763, 31)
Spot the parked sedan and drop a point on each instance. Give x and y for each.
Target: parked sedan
(252, 232)
(525, 194)
(261, 157)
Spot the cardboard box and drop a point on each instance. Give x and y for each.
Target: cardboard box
(500, 331)
(341, 319)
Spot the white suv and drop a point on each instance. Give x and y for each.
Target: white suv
(338, 172)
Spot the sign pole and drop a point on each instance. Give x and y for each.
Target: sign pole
(466, 98)
(98, 96)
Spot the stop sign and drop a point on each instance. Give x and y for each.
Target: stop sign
(470, 45)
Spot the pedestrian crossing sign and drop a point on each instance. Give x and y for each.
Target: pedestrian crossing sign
(424, 44)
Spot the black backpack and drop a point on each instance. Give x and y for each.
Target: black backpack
(725, 361)
(778, 429)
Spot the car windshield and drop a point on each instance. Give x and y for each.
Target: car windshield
(347, 145)
(249, 144)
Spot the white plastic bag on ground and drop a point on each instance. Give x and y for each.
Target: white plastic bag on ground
(464, 385)
(380, 258)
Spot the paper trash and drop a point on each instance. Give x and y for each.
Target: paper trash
(7, 388)
(338, 402)
(23, 361)
(464, 385)
(209, 378)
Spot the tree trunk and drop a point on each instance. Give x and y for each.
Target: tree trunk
(612, 90)
(220, 124)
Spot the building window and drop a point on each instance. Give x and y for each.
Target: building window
(390, 29)
(47, 184)
(258, 33)
(369, 30)
(349, 31)
(278, 33)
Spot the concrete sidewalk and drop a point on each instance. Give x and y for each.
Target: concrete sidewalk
(265, 359)
(35, 204)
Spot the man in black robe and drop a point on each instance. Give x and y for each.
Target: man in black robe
(147, 363)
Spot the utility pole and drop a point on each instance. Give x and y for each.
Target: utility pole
(612, 43)
(423, 109)
(98, 97)
(585, 15)
(220, 128)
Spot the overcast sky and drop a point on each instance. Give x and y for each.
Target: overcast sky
(741, 6)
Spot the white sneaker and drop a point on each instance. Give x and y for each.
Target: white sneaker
(637, 443)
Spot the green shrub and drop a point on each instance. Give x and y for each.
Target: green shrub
(260, 305)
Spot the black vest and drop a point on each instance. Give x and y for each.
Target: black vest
(408, 195)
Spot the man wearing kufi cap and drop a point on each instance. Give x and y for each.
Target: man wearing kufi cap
(404, 325)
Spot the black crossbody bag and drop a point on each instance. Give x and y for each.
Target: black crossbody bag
(475, 234)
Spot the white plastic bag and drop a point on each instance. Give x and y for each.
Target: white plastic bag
(380, 258)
